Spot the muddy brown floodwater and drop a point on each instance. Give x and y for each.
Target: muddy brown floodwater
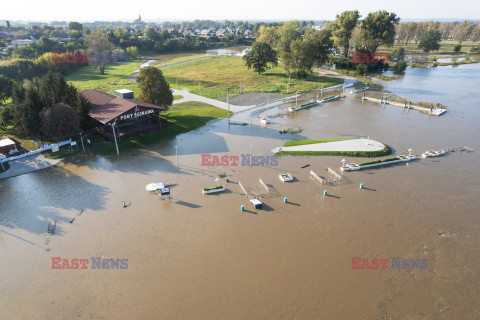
(199, 256)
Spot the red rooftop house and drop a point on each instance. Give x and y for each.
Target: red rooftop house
(129, 117)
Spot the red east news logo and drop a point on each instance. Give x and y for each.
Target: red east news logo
(359, 57)
(75, 57)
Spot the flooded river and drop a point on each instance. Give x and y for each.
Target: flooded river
(200, 257)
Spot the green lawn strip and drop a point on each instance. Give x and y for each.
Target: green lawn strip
(214, 188)
(304, 142)
(218, 74)
(379, 161)
(182, 117)
(177, 97)
(28, 144)
(63, 152)
(362, 154)
(180, 59)
(6, 165)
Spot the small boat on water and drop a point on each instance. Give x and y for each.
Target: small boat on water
(265, 121)
(154, 186)
(433, 153)
(286, 177)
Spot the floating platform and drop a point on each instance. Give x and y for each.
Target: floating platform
(436, 112)
(286, 177)
(432, 154)
(398, 159)
(303, 106)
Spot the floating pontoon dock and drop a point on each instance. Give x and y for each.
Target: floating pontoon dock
(434, 111)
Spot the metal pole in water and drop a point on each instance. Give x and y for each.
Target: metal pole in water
(115, 138)
(251, 155)
(176, 153)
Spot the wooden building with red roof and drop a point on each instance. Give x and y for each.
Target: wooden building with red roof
(129, 117)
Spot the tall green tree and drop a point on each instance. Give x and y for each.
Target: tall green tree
(343, 27)
(100, 49)
(6, 86)
(59, 122)
(75, 26)
(260, 57)
(27, 114)
(430, 41)
(153, 87)
(298, 60)
(319, 44)
(378, 28)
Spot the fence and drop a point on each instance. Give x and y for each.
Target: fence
(31, 153)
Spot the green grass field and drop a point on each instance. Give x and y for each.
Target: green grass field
(218, 74)
(363, 154)
(166, 62)
(446, 47)
(182, 117)
(115, 77)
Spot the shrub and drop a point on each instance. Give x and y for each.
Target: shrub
(457, 48)
(400, 66)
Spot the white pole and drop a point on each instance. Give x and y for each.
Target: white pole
(83, 146)
(228, 104)
(3, 166)
(283, 125)
(115, 138)
(176, 153)
(251, 155)
(322, 91)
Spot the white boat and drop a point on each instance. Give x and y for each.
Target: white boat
(256, 203)
(350, 167)
(154, 186)
(213, 190)
(265, 121)
(432, 153)
(286, 177)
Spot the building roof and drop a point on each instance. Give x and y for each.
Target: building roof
(4, 141)
(108, 107)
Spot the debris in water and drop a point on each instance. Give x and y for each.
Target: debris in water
(305, 166)
(72, 220)
(51, 227)
(124, 204)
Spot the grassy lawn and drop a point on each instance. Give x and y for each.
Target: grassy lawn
(180, 59)
(182, 117)
(363, 154)
(446, 47)
(64, 151)
(217, 74)
(177, 97)
(115, 77)
(6, 165)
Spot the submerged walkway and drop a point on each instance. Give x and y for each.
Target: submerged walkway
(345, 145)
(28, 164)
(187, 96)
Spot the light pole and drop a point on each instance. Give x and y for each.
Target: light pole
(228, 105)
(176, 153)
(283, 125)
(251, 155)
(115, 138)
(83, 146)
(199, 89)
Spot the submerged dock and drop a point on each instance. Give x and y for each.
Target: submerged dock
(433, 111)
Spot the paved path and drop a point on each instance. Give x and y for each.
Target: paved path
(28, 164)
(346, 145)
(187, 96)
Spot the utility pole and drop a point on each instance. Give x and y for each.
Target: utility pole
(283, 125)
(115, 138)
(176, 153)
(199, 89)
(83, 146)
(251, 155)
(228, 105)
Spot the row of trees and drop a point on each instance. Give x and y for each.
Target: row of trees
(48, 108)
(408, 32)
(302, 48)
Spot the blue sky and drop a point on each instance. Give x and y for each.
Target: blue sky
(90, 10)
